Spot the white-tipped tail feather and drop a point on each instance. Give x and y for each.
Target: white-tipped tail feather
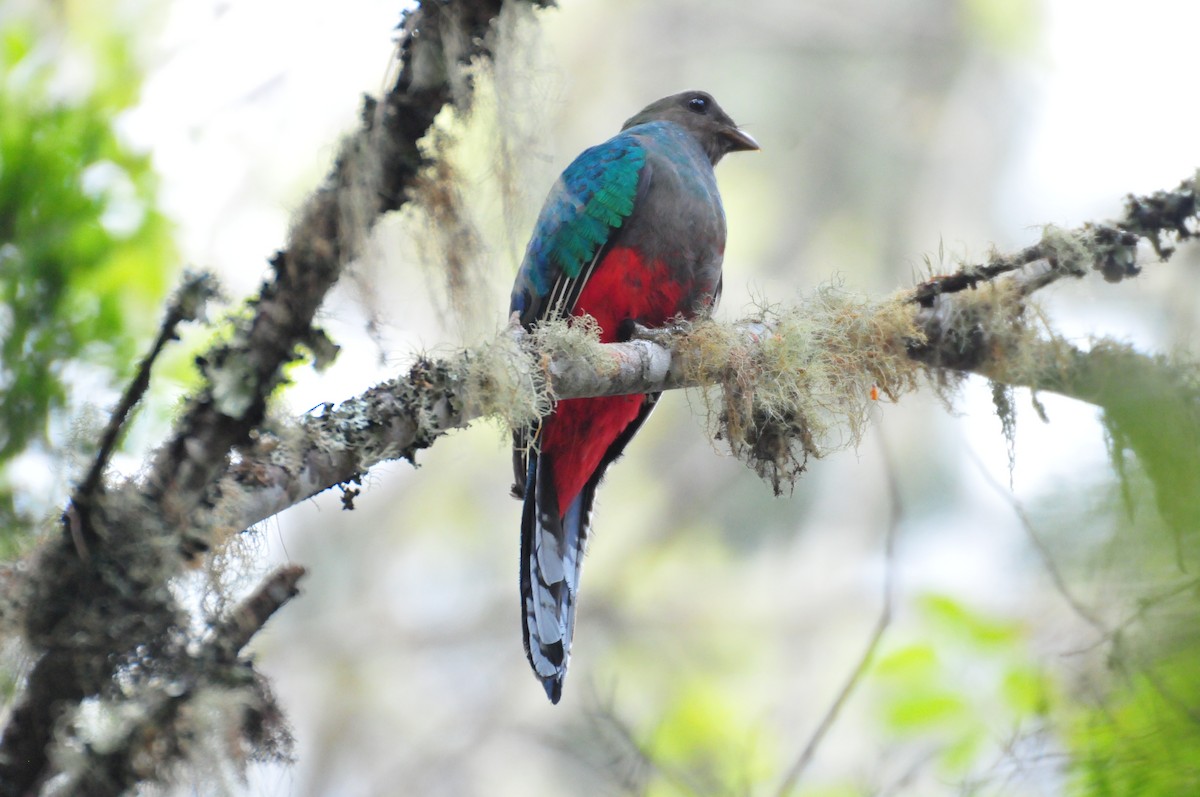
(551, 558)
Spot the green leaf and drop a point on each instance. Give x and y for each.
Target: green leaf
(925, 710)
(911, 663)
(947, 614)
(704, 734)
(1026, 690)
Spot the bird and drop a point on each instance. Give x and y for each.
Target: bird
(632, 233)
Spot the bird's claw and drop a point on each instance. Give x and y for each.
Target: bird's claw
(659, 335)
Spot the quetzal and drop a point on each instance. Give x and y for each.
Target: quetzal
(633, 232)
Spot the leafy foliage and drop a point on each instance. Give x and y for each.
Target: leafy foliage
(705, 743)
(967, 686)
(83, 252)
(1143, 738)
(1134, 725)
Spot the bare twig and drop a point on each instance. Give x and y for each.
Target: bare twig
(792, 778)
(186, 305)
(1043, 552)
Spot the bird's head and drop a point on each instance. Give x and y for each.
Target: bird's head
(698, 113)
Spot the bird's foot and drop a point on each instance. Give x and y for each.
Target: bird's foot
(659, 335)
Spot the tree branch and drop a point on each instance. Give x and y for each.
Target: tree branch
(161, 720)
(1108, 247)
(970, 322)
(87, 618)
(884, 620)
(186, 305)
(373, 171)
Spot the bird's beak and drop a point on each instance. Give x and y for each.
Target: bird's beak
(739, 140)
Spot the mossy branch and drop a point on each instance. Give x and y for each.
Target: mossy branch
(212, 697)
(1160, 219)
(794, 383)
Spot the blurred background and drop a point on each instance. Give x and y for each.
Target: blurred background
(717, 623)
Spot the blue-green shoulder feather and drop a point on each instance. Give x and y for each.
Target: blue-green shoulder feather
(591, 199)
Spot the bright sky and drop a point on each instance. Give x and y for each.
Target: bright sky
(244, 110)
(1116, 113)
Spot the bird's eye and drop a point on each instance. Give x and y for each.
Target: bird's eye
(697, 105)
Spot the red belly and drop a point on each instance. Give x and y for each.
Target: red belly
(579, 433)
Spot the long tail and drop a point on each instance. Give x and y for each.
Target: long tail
(552, 550)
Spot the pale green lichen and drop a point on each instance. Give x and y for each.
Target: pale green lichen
(501, 380)
(1066, 249)
(508, 377)
(487, 169)
(805, 387)
(576, 339)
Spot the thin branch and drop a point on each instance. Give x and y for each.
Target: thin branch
(970, 277)
(1043, 552)
(249, 616)
(1108, 247)
(798, 768)
(186, 305)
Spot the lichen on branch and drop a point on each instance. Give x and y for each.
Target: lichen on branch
(802, 385)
